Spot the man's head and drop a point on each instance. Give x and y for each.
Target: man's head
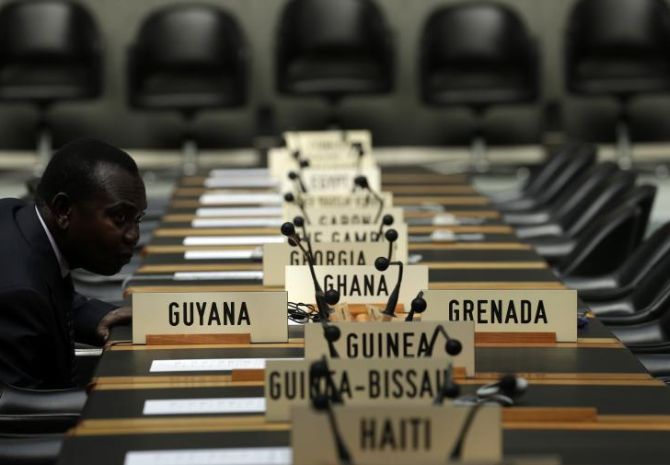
(92, 198)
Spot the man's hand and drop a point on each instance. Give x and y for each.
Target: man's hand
(119, 316)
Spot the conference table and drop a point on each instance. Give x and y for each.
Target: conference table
(589, 401)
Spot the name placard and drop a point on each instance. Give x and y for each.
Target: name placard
(277, 256)
(356, 284)
(351, 200)
(500, 311)
(334, 181)
(395, 340)
(237, 198)
(327, 140)
(351, 216)
(260, 314)
(387, 382)
(399, 435)
(318, 234)
(281, 160)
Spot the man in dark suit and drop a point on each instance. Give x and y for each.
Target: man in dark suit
(88, 206)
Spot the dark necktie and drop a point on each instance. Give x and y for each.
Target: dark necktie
(69, 295)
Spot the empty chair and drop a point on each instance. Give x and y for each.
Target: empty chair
(644, 261)
(477, 55)
(584, 189)
(649, 301)
(618, 48)
(541, 176)
(332, 49)
(604, 245)
(558, 184)
(656, 331)
(39, 411)
(40, 450)
(49, 52)
(187, 58)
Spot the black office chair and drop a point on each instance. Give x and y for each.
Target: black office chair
(558, 184)
(477, 55)
(585, 187)
(618, 48)
(187, 58)
(39, 411)
(604, 245)
(40, 450)
(332, 49)
(540, 177)
(49, 52)
(639, 267)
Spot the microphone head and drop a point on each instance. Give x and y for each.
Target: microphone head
(451, 390)
(299, 221)
(513, 386)
(288, 229)
(419, 305)
(382, 263)
(318, 370)
(359, 148)
(332, 333)
(292, 175)
(296, 154)
(453, 347)
(289, 197)
(387, 220)
(320, 402)
(304, 163)
(332, 297)
(361, 181)
(391, 235)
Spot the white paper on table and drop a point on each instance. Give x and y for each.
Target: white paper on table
(229, 456)
(237, 223)
(233, 240)
(248, 172)
(232, 181)
(209, 364)
(443, 235)
(216, 275)
(237, 211)
(238, 199)
(221, 254)
(204, 406)
(444, 219)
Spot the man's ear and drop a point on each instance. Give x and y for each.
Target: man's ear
(61, 208)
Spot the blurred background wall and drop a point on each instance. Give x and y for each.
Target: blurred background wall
(399, 118)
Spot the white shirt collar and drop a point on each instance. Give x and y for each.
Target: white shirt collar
(62, 263)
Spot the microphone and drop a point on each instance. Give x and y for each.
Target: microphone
(359, 148)
(362, 183)
(382, 264)
(322, 402)
(387, 220)
(509, 385)
(324, 300)
(418, 306)
(295, 177)
(450, 389)
(300, 203)
(503, 392)
(452, 347)
(299, 221)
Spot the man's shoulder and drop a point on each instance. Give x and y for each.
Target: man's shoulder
(15, 253)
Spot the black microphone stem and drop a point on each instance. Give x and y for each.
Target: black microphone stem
(342, 452)
(393, 298)
(457, 450)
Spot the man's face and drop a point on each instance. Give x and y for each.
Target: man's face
(104, 229)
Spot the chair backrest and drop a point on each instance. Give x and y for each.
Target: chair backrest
(583, 160)
(47, 30)
(332, 30)
(478, 35)
(556, 161)
(598, 201)
(637, 30)
(604, 245)
(587, 184)
(646, 257)
(189, 37)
